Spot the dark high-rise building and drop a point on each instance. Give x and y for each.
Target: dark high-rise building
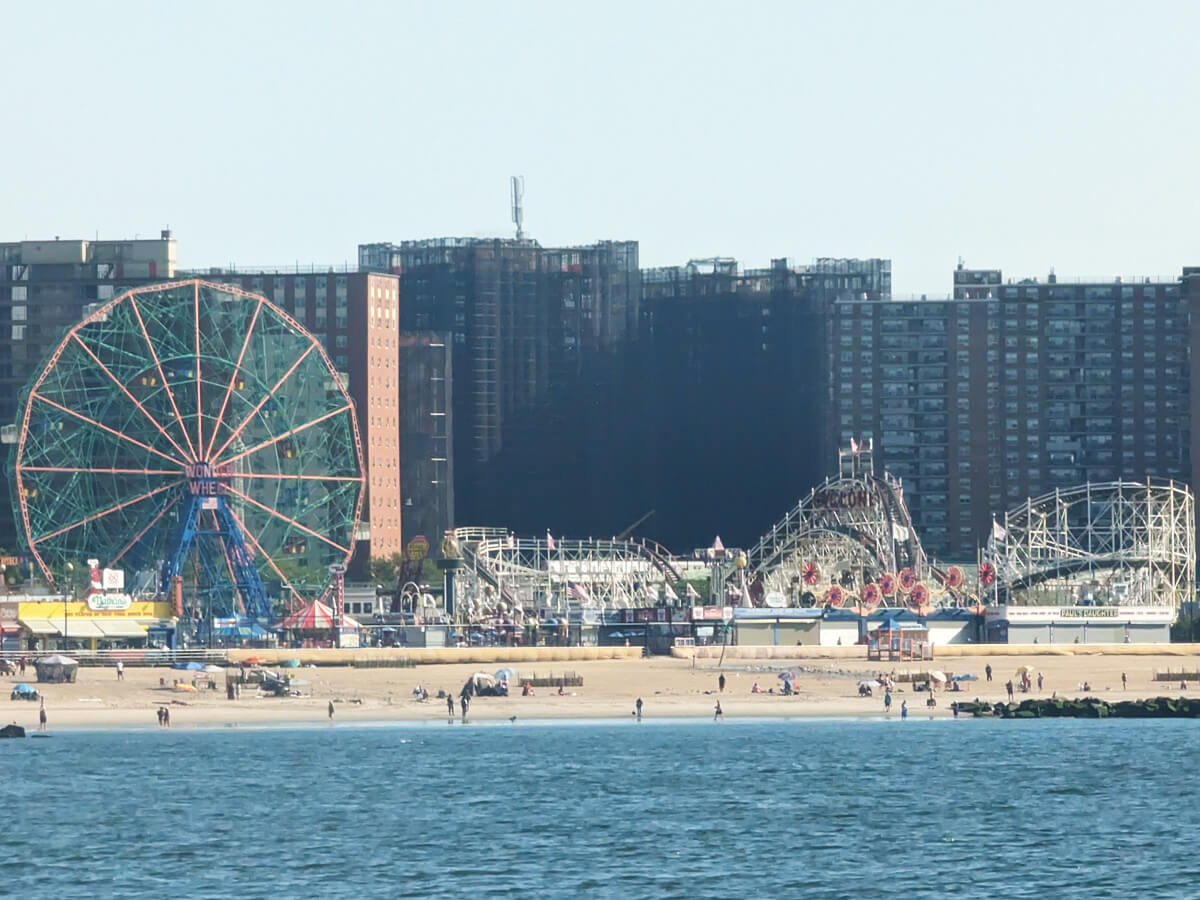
(1010, 390)
(46, 287)
(735, 364)
(426, 433)
(541, 343)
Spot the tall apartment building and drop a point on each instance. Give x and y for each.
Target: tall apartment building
(45, 288)
(538, 337)
(426, 433)
(355, 315)
(735, 364)
(1008, 390)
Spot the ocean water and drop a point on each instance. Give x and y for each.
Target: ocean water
(743, 808)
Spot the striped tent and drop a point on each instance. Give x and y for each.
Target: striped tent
(315, 617)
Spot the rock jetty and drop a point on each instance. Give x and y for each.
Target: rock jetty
(1086, 708)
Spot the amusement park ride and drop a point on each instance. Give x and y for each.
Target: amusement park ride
(193, 430)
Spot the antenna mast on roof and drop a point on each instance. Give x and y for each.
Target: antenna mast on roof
(518, 214)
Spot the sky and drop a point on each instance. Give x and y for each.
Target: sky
(1016, 135)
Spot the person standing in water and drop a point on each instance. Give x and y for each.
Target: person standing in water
(904, 709)
(42, 716)
(718, 714)
(639, 708)
(450, 705)
(330, 710)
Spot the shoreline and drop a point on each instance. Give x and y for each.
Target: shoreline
(671, 688)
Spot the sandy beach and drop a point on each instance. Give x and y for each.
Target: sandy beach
(667, 686)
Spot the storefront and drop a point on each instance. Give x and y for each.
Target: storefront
(766, 627)
(1079, 624)
(102, 621)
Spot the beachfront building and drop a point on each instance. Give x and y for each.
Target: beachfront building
(99, 621)
(1010, 389)
(1079, 624)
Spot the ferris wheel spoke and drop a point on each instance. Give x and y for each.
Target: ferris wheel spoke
(233, 378)
(257, 546)
(141, 534)
(277, 514)
(153, 421)
(199, 405)
(162, 375)
(285, 435)
(104, 427)
(95, 471)
(112, 509)
(286, 477)
(263, 402)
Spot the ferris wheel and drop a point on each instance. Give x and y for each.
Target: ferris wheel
(196, 430)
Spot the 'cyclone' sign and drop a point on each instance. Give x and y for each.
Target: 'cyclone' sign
(845, 496)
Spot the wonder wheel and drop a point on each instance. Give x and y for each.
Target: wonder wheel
(197, 431)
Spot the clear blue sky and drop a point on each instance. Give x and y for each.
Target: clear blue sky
(1022, 135)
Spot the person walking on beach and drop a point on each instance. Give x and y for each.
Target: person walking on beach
(988, 671)
(466, 703)
(904, 709)
(639, 708)
(330, 710)
(721, 683)
(120, 670)
(166, 717)
(1124, 681)
(718, 714)
(450, 705)
(1009, 688)
(887, 701)
(42, 716)
(160, 716)
(1039, 681)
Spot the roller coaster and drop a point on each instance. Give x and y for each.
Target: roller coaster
(1119, 543)
(851, 543)
(505, 576)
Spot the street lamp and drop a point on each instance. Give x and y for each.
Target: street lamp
(66, 612)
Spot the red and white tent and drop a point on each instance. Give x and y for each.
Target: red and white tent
(315, 617)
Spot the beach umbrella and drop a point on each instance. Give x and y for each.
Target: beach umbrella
(1025, 670)
(966, 676)
(935, 675)
(59, 660)
(787, 676)
(868, 684)
(506, 674)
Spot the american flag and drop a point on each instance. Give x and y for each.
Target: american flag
(549, 541)
(579, 592)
